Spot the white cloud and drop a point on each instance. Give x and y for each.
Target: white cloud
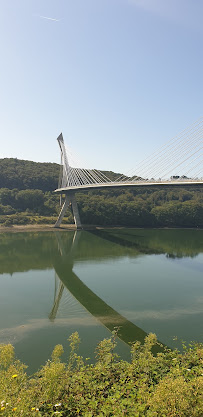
(48, 18)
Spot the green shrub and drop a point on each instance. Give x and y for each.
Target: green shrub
(167, 385)
(6, 209)
(8, 222)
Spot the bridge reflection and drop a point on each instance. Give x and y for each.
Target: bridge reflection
(105, 314)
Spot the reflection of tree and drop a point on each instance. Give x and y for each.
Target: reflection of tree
(175, 243)
(125, 240)
(20, 252)
(25, 251)
(63, 265)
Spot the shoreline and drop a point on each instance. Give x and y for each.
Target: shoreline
(72, 227)
(35, 228)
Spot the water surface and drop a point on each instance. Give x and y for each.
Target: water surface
(52, 284)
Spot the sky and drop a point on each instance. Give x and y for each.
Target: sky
(119, 78)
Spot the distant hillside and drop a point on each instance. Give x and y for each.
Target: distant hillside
(17, 173)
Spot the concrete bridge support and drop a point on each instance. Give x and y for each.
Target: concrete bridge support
(69, 200)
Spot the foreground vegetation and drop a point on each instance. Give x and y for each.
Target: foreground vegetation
(170, 384)
(26, 197)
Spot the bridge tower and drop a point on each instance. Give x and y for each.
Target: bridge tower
(65, 181)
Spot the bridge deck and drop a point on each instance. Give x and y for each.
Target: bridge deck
(100, 186)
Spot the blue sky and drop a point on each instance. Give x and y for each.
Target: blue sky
(119, 78)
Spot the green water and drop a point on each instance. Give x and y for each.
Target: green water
(52, 284)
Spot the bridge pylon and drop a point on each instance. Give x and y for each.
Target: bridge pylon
(70, 200)
(65, 181)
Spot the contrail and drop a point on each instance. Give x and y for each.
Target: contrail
(50, 18)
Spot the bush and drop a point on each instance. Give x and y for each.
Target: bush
(8, 222)
(6, 209)
(167, 385)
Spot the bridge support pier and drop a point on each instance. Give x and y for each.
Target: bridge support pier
(69, 199)
(75, 211)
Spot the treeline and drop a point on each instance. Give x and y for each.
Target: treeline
(143, 208)
(134, 208)
(26, 196)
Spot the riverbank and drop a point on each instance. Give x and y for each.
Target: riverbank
(35, 228)
(48, 228)
(71, 227)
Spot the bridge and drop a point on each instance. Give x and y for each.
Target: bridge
(177, 163)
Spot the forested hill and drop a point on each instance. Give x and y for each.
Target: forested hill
(16, 173)
(26, 195)
(20, 174)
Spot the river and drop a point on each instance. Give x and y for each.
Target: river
(55, 283)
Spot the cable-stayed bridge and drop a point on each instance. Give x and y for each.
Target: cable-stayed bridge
(179, 162)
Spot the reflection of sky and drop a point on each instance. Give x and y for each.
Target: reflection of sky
(170, 314)
(26, 300)
(186, 263)
(19, 332)
(153, 292)
(25, 295)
